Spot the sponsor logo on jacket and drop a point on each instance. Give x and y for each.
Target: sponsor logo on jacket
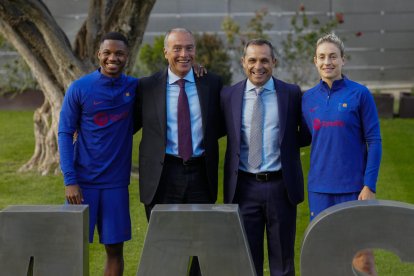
(318, 124)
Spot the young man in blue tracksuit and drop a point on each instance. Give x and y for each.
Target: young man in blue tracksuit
(95, 146)
(346, 142)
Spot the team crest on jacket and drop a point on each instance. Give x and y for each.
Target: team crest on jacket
(127, 96)
(343, 106)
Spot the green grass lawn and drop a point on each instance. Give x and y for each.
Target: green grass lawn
(16, 146)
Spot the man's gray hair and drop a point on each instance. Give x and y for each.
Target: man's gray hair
(175, 30)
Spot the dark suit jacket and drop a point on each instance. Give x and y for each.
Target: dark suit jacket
(150, 114)
(289, 106)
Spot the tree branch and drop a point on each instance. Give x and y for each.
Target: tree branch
(32, 30)
(128, 17)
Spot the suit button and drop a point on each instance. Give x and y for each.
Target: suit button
(162, 163)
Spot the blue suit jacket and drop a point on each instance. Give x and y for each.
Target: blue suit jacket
(289, 105)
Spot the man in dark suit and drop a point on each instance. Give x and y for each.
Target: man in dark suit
(178, 164)
(262, 171)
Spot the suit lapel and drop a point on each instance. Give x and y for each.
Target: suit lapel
(160, 98)
(237, 106)
(203, 96)
(282, 94)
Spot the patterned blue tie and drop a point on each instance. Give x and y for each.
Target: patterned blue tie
(256, 132)
(185, 145)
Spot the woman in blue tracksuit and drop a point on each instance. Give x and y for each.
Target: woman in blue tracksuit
(346, 143)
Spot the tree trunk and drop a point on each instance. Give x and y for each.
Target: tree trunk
(29, 26)
(45, 158)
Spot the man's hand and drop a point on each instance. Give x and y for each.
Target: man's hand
(199, 70)
(73, 194)
(366, 194)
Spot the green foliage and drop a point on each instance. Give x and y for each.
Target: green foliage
(210, 52)
(237, 37)
(16, 76)
(5, 45)
(298, 49)
(151, 58)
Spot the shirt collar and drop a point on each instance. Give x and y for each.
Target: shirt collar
(336, 85)
(269, 85)
(105, 80)
(172, 78)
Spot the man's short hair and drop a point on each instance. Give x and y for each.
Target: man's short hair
(260, 42)
(175, 30)
(331, 38)
(115, 36)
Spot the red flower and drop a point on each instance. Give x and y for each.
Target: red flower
(339, 17)
(358, 34)
(302, 7)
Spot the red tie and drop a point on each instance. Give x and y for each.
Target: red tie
(185, 145)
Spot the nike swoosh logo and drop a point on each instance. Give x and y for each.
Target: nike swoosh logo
(96, 103)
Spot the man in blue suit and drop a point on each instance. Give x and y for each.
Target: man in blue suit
(262, 171)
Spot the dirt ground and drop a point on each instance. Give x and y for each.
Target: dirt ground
(28, 100)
